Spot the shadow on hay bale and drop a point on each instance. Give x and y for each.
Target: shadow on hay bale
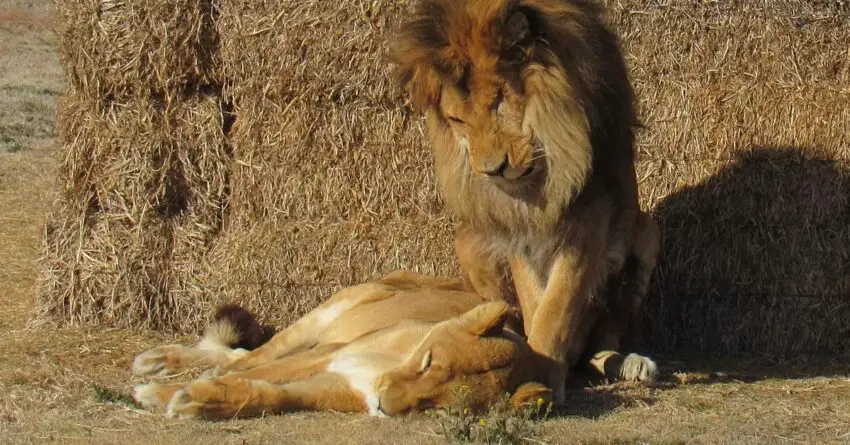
(757, 259)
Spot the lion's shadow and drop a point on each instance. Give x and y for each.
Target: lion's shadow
(755, 261)
(753, 280)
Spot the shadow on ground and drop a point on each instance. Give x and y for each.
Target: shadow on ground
(754, 260)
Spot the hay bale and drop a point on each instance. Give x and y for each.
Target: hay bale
(141, 198)
(744, 162)
(121, 48)
(303, 262)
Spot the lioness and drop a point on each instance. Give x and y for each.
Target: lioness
(530, 116)
(390, 346)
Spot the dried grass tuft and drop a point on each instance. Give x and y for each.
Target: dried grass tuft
(323, 180)
(120, 48)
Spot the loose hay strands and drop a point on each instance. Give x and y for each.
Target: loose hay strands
(325, 180)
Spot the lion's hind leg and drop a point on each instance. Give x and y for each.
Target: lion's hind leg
(306, 331)
(173, 359)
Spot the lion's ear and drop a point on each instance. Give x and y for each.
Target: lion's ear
(486, 319)
(412, 54)
(517, 28)
(421, 84)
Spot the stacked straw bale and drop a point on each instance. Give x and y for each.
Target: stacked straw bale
(119, 48)
(144, 163)
(324, 179)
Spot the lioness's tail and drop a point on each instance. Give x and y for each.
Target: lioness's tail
(234, 327)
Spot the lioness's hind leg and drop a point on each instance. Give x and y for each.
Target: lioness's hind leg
(173, 359)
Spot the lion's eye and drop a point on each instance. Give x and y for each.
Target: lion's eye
(456, 120)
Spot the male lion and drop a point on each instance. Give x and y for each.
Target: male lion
(394, 345)
(530, 115)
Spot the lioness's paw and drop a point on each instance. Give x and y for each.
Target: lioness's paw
(532, 394)
(637, 368)
(181, 406)
(159, 361)
(207, 398)
(154, 395)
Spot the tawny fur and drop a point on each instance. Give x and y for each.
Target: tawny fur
(398, 344)
(530, 116)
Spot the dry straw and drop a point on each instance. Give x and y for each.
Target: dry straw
(117, 48)
(142, 191)
(323, 180)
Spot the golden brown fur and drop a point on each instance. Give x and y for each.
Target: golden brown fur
(530, 115)
(394, 345)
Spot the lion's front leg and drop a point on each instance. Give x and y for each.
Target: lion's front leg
(630, 368)
(227, 398)
(564, 318)
(155, 395)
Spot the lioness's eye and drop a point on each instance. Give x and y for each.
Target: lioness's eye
(456, 120)
(426, 362)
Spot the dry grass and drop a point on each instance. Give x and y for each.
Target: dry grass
(28, 93)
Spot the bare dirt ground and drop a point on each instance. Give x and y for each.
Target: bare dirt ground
(48, 375)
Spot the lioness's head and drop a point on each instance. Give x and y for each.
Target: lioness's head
(467, 350)
(515, 91)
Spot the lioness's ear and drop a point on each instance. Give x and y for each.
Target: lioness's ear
(486, 319)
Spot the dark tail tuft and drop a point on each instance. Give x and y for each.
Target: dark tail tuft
(251, 334)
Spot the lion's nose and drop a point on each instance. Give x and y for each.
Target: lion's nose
(498, 170)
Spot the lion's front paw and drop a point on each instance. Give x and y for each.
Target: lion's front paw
(159, 361)
(637, 368)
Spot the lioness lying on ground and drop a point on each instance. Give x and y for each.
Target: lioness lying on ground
(394, 345)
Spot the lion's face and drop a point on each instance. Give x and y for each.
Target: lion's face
(487, 124)
(517, 93)
(462, 351)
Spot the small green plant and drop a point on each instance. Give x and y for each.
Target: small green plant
(102, 394)
(501, 424)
